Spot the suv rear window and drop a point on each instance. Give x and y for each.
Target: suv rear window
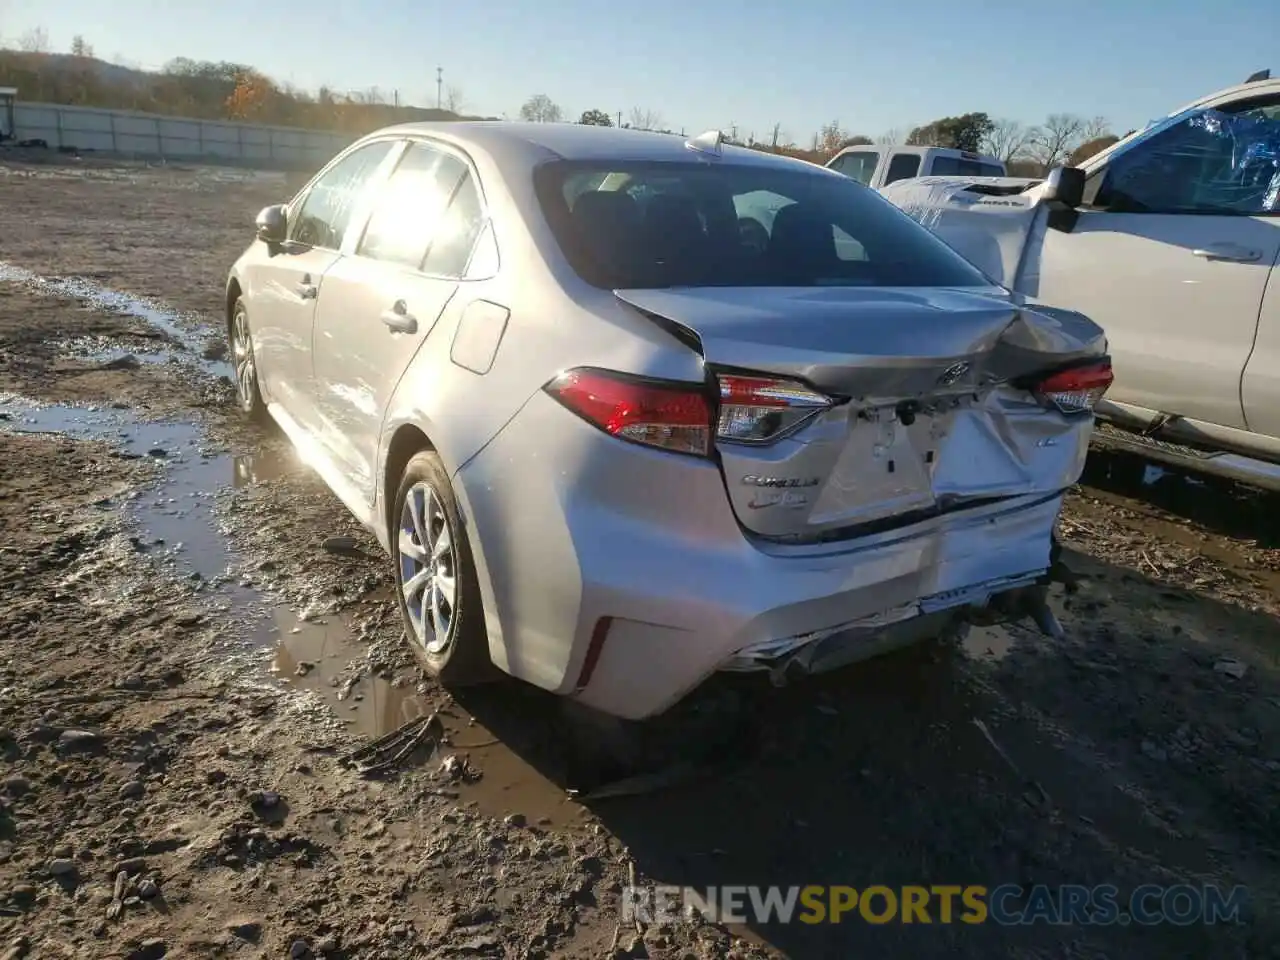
(656, 224)
(960, 167)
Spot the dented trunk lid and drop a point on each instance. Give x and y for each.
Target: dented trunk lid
(926, 416)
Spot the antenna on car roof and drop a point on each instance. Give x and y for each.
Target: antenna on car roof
(1259, 76)
(710, 143)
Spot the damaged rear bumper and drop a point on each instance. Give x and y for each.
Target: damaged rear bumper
(923, 619)
(797, 611)
(629, 596)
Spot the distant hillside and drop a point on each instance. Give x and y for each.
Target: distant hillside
(193, 88)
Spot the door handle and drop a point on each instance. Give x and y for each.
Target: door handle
(306, 289)
(399, 320)
(1228, 251)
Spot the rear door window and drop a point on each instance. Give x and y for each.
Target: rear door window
(410, 210)
(454, 240)
(902, 167)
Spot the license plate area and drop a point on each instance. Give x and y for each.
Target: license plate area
(886, 466)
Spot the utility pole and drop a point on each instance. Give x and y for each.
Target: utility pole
(439, 86)
(619, 119)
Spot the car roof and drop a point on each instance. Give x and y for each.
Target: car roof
(532, 143)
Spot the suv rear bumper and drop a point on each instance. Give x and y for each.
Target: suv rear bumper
(618, 574)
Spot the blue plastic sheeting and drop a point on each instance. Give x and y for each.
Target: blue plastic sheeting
(1251, 184)
(1205, 162)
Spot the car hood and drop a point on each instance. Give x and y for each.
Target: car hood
(987, 220)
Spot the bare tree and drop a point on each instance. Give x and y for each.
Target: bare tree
(79, 48)
(776, 137)
(454, 100)
(1096, 129)
(1008, 138)
(645, 119)
(890, 138)
(541, 109)
(35, 40)
(1055, 140)
(372, 96)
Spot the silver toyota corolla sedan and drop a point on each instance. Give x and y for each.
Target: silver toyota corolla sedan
(629, 410)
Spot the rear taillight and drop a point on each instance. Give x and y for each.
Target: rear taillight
(1077, 389)
(760, 409)
(670, 416)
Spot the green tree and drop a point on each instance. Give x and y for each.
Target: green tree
(965, 132)
(595, 118)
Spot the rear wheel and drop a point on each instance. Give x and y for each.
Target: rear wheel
(439, 593)
(245, 366)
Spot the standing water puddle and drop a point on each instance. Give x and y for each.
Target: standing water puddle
(191, 338)
(319, 656)
(328, 656)
(176, 524)
(176, 514)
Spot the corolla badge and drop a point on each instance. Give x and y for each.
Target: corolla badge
(953, 373)
(754, 480)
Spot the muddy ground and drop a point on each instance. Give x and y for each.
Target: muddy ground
(195, 637)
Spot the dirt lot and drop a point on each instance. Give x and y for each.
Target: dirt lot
(197, 636)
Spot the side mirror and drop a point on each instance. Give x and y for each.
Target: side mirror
(273, 224)
(1066, 186)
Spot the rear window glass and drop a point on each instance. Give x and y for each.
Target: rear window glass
(650, 225)
(960, 167)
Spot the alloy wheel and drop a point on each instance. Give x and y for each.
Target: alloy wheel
(242, 357)
(428, 567)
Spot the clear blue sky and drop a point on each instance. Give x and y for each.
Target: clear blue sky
(706, 63)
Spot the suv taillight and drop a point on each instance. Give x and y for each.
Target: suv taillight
(761, 409)
(1077, 389)
(668, 415)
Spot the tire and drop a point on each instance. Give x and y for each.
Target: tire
(244, 365)
(449, 638)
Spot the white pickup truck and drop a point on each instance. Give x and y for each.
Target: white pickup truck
(878, 166)
(1169, 239)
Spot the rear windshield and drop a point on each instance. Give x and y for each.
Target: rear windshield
(647, 225)
(960, 167)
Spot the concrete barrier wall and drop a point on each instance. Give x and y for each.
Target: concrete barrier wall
(132, 134)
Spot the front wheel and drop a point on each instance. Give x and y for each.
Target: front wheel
(245, 366)
(439, 593)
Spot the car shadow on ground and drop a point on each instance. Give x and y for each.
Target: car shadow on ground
(1120, 756)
